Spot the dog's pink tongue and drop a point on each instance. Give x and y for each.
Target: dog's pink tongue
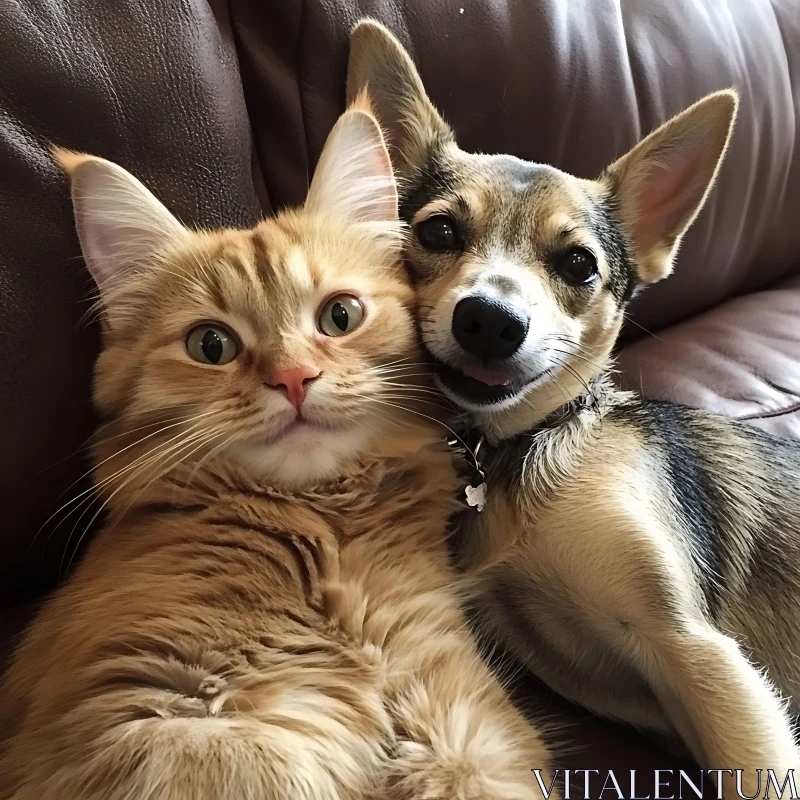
(487, 377)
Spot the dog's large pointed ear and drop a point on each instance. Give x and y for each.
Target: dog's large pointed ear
(379, 63)
(122, 226)
(661, 185)
(354, 179)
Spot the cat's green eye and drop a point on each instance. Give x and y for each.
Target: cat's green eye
(211, 344)
(341, 315)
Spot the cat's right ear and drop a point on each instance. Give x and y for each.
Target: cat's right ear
(354, 179)
(121, 225)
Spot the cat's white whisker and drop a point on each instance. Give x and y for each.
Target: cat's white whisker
(92, 490)
(211, 453)
(175, 461)
(159, 457)
(432, 419)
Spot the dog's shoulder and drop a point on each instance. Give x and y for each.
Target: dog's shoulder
(609, 426)
(686, 432)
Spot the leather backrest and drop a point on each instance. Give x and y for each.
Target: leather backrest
(574, 84)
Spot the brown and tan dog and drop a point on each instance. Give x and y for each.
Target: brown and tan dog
(642, 558)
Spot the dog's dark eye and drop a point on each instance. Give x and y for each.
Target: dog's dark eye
(577, 266)
(438, 234)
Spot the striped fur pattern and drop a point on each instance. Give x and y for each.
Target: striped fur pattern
(642, 558)
(270, 612)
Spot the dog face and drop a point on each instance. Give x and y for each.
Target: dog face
(522, 271)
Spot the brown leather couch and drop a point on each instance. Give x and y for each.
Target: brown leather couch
(222, 108)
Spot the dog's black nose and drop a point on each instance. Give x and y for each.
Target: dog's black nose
(488, 328)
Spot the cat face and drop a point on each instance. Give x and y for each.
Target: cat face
(277, 346)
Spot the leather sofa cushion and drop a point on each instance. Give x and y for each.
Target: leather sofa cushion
(741, 359)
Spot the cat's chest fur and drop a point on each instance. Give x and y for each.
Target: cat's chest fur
(374, 537)
(236, 577)
(390, 502)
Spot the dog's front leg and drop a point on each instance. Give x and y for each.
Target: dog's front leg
(725, 709)
(635, 586)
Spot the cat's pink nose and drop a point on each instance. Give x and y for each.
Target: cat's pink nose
(294, 383)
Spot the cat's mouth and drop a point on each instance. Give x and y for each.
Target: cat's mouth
(302, 424)
(301, 427)
(295, 450)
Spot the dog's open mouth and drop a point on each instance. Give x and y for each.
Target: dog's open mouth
(479, 386)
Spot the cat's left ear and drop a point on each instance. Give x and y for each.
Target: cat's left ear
(121, 225)
(354, 178)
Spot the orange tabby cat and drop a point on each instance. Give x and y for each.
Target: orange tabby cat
(269, 612)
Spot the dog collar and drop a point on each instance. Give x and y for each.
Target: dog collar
(471, 442)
